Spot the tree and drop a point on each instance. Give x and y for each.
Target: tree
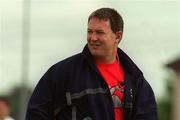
(165, 103)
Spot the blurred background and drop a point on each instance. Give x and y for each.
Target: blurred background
(35, 34)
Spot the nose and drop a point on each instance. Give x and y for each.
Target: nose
(92, 37)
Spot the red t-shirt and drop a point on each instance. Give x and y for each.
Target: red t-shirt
(114, 76)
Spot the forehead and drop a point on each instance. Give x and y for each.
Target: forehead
(95, 23)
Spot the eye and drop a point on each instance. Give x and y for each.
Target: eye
(100, 32)
(89, 31)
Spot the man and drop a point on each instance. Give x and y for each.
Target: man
(4, 109)
(101, 83)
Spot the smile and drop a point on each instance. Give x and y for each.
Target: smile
(95, 45)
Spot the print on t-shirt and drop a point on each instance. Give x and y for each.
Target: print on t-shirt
(116, 92)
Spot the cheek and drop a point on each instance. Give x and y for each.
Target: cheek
(88, 38)
(88, 41)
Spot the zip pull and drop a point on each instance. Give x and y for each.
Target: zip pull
(131, 93)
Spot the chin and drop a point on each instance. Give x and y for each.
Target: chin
(96, 54)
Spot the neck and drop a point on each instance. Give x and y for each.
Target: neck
(107, 59)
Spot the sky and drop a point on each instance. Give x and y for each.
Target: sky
(58, 30)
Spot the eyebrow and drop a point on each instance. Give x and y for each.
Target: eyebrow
(99, 30)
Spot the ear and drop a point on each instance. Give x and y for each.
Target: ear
(119, 36)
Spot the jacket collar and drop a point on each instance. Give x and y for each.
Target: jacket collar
(128, 65)
(88, 57)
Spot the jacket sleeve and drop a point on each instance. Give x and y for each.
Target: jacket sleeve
(145, 108)
(41, 105)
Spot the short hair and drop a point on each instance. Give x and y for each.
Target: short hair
(115, 19)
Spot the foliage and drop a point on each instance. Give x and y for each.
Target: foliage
(15, 97)
(165, 104)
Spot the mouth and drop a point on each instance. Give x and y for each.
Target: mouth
(95, 46)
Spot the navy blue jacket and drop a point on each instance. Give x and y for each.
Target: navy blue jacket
(73, 89)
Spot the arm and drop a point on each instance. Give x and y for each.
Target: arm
(40, 106)
(145, 108)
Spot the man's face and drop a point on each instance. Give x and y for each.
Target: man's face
(102, 41)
